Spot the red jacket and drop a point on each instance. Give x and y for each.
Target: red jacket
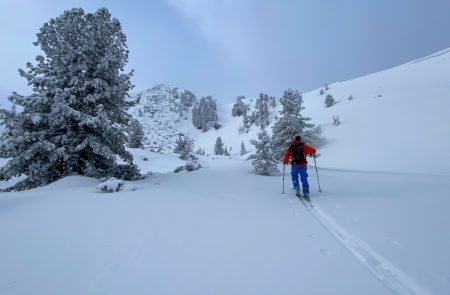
(306, 149)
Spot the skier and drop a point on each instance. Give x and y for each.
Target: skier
(297, 152)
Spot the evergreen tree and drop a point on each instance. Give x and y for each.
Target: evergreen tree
(243, 149)
(291, 123)
(329, 100)
(326, 87)
(184, 147)
(262, 111)
(321, 92)
(272, 101)
(246, 122)
(136, 134)
(263, 160)
(73, 121)
(204, 115)
(239, 108)
(200, 151)
(219, 147)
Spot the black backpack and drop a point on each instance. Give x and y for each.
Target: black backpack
(297, 154)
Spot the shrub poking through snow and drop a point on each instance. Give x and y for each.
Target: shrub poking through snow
(111, 185)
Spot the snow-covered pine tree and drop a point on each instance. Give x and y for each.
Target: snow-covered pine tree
(136, 134)
(246, 122)
(263, 159)
(8, 119)
(74, 120)
(184, 146)
(204, 115)
(243, 149)
(187, 100)
(239, 108)
(321, 92)
(329, 100)
(200, 151)
(219, 147)
(291, 123)
(272, 101)
(262, 111)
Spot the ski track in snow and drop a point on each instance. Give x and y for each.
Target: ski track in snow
(392, 278)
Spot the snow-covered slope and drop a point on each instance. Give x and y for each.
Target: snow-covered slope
(163, 114)
(224, 230)
(397, 121)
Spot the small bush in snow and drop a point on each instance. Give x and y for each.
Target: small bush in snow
(191, 166)
(350, 97)
(111, 185)
(243, 149)
(329, 100)
(184, 146)
(179, 169)
(336, 121)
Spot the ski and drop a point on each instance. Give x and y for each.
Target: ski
(304, 201)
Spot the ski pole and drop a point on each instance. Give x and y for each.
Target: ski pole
(284, 170)
(317, 173)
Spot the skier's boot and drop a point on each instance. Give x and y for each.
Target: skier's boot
(306, 196)
(297, 192)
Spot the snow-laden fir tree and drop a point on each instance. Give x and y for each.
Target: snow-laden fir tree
(74, 120)
(219, 147)
(262, 111)
(239, 108)
(243, 149)
(263, 159)
(187, 100)
(200, 151)
(8, 119)
(184, 147)
(204, 115)
(136, 139)
(329, 100)
(291, 123)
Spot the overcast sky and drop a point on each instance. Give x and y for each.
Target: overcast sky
(227, 48)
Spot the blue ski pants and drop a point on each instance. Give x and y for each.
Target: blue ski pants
(295, 171)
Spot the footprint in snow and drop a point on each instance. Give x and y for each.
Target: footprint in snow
(325, 252)
(311, 236)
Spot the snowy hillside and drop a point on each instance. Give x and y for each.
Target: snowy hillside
(397, 120)
(163, 111)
